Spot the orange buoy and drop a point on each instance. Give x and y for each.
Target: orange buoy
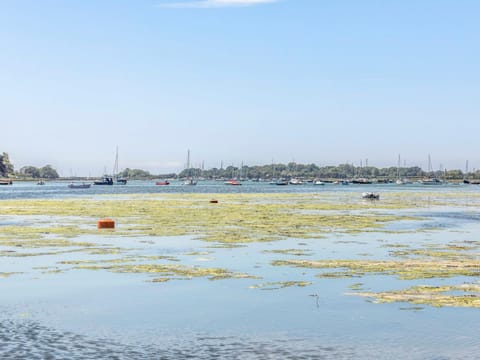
(106, 224)
(213, 201)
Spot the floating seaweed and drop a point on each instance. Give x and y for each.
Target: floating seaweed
(169, 270)
(406, 269)
(280, 285)
(293, 252)
(437, 296)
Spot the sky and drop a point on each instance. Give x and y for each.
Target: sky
(252, 81)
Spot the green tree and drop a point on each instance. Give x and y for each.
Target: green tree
(135, 174)
(30, 171)
(48, 172)
(6, 167)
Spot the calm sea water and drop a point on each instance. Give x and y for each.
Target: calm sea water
(101, 315)
(23, 190)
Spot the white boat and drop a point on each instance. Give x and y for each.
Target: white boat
(318, 182)
(295, 182)
(118, 180)
(431, 181)
(190, 182)
(401, 181)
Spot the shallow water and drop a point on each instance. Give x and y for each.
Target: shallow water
(98, 314)
(59, 189)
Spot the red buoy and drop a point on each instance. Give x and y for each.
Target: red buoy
(106, 224)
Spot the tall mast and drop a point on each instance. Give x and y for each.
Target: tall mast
(115, 166)
(398, 167)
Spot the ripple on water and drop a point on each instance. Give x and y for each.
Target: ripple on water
(30, 340)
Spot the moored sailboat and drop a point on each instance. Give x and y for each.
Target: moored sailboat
(119, 180)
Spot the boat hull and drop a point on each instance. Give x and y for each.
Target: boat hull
(79, 186)
(105, 181)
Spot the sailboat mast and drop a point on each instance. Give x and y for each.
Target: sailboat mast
(115, 166)
(398, 167)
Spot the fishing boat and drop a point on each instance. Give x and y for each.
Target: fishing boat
(166, 182)
(79, 185)
(107, 180)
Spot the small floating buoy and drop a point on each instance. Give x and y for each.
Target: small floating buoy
(106, 224)
(213, 201)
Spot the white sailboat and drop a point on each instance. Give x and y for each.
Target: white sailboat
(431, 180)
(118, 180)
(190, 179)
(401, 181)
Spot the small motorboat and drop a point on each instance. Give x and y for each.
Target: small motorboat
(361, 181)
(79, 185)
(6, 182)
(41, 182)
(190, 182)
(431, 181)
(279, 182)
(166, 182)
(107, 180)
(296, 182)
(371, 196)
(232, 182)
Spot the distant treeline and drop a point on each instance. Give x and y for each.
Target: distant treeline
(143, 174)
(45, 172)
(343, 171)
(270, 171)
(28, 172)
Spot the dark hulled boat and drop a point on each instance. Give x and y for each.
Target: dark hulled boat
(107, 180)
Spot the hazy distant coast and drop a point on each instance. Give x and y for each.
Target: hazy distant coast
(266, 172)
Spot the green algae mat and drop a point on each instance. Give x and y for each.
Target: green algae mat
(68, 226)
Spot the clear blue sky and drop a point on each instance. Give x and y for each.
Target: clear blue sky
(323, 81)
